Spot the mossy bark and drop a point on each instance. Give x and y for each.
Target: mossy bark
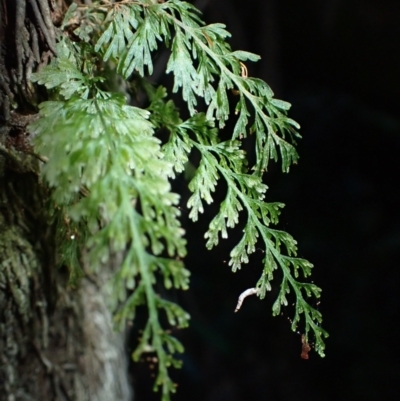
(56, 343)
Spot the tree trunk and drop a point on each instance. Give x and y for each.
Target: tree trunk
(56, 343)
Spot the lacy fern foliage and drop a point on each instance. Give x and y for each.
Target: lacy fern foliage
(111, 173)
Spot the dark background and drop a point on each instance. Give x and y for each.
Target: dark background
(337, 62)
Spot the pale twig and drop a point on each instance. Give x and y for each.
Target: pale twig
(243, 295)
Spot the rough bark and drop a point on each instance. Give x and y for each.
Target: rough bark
(56, 343)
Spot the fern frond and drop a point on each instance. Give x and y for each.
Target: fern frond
(110, 173)
(129, 205)
(246, 191)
